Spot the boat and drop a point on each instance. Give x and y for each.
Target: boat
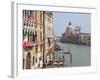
(57, 47)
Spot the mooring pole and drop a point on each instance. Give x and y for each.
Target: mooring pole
(70, 59)
(63, 59)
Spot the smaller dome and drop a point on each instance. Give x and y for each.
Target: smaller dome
(70, 25)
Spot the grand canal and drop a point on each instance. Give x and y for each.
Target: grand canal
(81, 55)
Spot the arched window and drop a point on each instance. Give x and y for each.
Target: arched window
(28, 60)
(33, 60)
(28, 35)
(36, 48)
(33, 36)
(23, 35)
(40, 36)
(49, 42)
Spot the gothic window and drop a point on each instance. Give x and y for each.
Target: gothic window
(36, 48)
(49, 42)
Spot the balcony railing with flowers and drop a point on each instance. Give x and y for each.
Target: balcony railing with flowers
(30, 44)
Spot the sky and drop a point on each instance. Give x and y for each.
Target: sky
(61, 20)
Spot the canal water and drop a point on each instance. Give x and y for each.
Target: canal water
(81, 55)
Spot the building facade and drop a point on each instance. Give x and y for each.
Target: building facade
(49, 35)
(35, 29)
(73, 35)
(85, 39)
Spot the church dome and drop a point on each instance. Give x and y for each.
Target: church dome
(70, 23)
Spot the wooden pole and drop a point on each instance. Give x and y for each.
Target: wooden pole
(59, 61)
(70, 59)
(63, 58)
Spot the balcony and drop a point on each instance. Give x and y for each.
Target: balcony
(31, 44)
(28, 45)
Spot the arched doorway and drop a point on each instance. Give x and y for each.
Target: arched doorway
(28, 61)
